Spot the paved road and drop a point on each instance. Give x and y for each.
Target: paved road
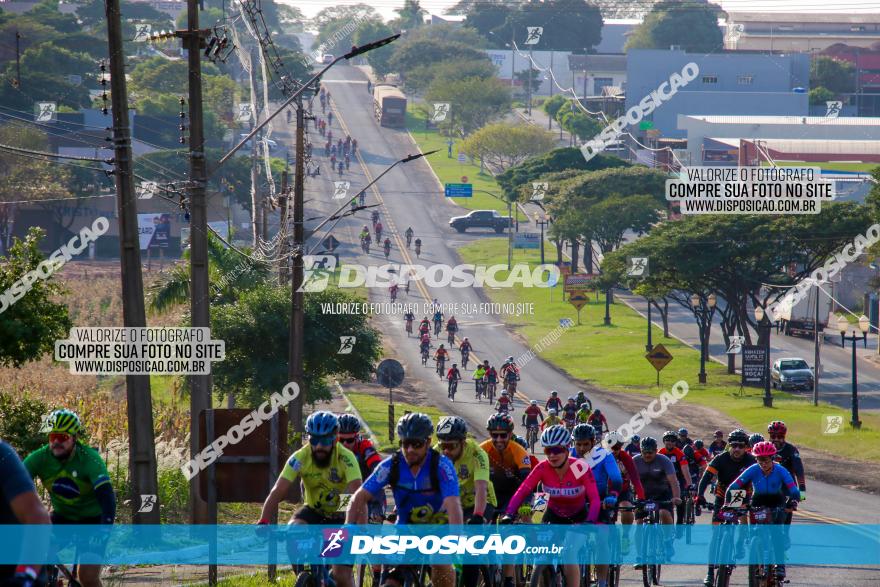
(410, 195)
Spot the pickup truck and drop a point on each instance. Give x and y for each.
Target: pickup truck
(480, 219)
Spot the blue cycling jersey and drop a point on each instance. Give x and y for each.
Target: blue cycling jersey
(605, 469)
(778, 481)
(417, 502)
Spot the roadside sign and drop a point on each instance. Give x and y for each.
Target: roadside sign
(330, 243)
(578, 300)
(459, 190)
(659, 357)
(579, 282)
(462, 158)
(389, 373)
(526, 240)
(753, 365)
(646, 125)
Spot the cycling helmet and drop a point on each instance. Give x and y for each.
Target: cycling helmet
(441, 345)
(738, 435)
(454, 365)
(778, 428)
(698, 444)
(755, 439)
(554, 393)
(719, 433)
(349, 424)
(597, 412)
(682, 431)
(635, 438)
(509, 359)
(614, 438)
(465, 338)
(648, 444)
(583, 432)
(64, 421)
(500, 421)
(552, 411)
(414, 425)
(571, 398)
(670, 435)
(322, 424)
(534, 402)
(555, 436)
(451, 428)
(504, 393)
(764, 449)
(521, 441)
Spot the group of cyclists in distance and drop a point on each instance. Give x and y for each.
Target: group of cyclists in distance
(459, 480)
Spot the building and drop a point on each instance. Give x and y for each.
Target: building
(797, 31)
(732, 83)
(865, 100)
(593, 73)
(615, 32)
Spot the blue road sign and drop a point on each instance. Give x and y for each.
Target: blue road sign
(459, 190)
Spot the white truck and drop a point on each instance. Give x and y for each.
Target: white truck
(798, 320)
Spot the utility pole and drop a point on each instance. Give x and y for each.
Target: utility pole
(282, 203)
(297, 314)
(18, 60)
(200, 385)
(142, 450)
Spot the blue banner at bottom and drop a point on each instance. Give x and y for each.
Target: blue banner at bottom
(813, 544)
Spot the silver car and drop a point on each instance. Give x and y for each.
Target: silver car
(791, 373)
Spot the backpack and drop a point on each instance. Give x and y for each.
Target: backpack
(434, 475)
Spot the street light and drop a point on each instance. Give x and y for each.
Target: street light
(703, 314)
(864, 325)
(764, 330)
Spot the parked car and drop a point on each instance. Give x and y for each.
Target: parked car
(480, 219)
(272, 144)
(328, 58)
(791, 373)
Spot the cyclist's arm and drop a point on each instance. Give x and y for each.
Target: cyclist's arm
(21, 495)
(789, 487)
(673, 482)
(683, 465)
(614, 476)
(275, 497)
(589, 483)
(357, 507)
(632, 474)
(481, 481)
(107, 500)
(798, 465)
(708, 474)
(744, 480)
(528, 486)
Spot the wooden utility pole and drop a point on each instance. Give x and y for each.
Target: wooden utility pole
(142, 450)
(200, 385)
(284, 264)
(297, 316)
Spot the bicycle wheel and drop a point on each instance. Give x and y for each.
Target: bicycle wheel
(756, 576)
(613, 575)
(305, 578)
(543, 576)
(423, 577)
(722, 576)
(364, 577)
(689, 519)
(655, 574)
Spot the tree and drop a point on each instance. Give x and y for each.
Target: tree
(373, 29)
(159, 75)
(689, 24)
(474, 102)
(353, 12)
(609, 219)
(251, 372)
(837, 76)
(578, 123)
(489, 17)
(502, 145)
(414, 52)
(30, 326)
(552, 106)
(445, 72)
(820, 95)
(411, 15)
(290, 18)
(578, 30)
(54, 60)
(48, 13)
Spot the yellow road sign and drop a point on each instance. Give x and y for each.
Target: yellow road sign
(577, 299)
(659, 357)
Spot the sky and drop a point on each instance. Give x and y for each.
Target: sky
(386, 7)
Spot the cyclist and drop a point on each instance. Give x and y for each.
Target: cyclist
(574, 497)
(582, 399)
(418, 247)
(509, 375)
(471, 463)
(387, 247)
(504, 404)
(674, 454)
(409, 317)
(409, 235)
(392, 291)
(465, 348)
(657, 474)
(479, 377)
(365, 234)
(698, 459)
(569, 413)
(375, 217)
(583, 414)
(551, 420)
(453, 376)
(491, 377)
(437, 319)
(608, 479)
(787, 456)
(773, 486)
(683, 439)
(327, 470)
(633, 448)
(554, 401)
(451, 326)
(378, 228)
(718, 444)
(20, 504)
(440, 355)
(424, 326)
(598, 421)
(629, 481)
(532, 415)
(726, 466)
(349, 436)
(425, 488)
(533, 460)
(78, 484)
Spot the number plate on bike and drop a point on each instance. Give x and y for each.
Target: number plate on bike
(761, 515)
(728, 515)
(650, 506)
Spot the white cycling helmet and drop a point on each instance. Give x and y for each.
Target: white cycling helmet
(555, 436)
(534, 402)
(504, 393)
(614, 437)
(552, 411)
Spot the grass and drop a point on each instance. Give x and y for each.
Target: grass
(285, 578)
(374, 411)
(612, 358)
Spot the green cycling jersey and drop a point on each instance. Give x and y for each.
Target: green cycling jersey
(72, 482)
(323, 485)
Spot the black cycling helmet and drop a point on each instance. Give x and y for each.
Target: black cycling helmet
(755, 439)
(648, 444)
(415, 425)
(451, 428)
(670, 435)
(738, 435)
(500, 421)
(698, 444)
(583, 432)
(349, 424)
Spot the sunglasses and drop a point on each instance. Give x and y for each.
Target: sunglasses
(772, 437)
(449, 446)
(321, 440)
(59, 437)
(348, 439)
(737, 445)
(500, 435)
(416, 444)
(554, 450)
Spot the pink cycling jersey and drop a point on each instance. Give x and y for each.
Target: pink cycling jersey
(568, 496)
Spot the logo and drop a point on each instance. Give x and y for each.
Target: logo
(441, 109)
(147, 190)
(333, 540)
(148, 502)
(832, 109)
(534, 37)
(245, 112)
(317, 272)
(539, 189)
(832, 425)
(346, 345)
(340, 189)
(637, 266)
(736, 344)
(142, 32)
(566, 323)
(46, 111)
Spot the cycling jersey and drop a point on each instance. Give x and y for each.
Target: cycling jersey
(72, 482)
(605, 470)
(441, 353)
(717, 447)
(582, 400)
(778, 481)
(492, 375)
(453, 375)
(550, 421)
(503, 404)
(532, 414)
(472, 466)
(726, 469)
(554, 403)
(789, 457)
(683, 443)
(677, 457)
(629, 475)
(632, 448)
(509, 371)
(508, 469)
(409, 317)
(568, 497)
(654, 476)
(14, 481)
(583, 416)
(366, 455)
(438, 317)
(465, 346)
(424, 326)
(479, 373)
(697, 459)
(598, 422)
(323, 485)
(451, 326)
(417, 501)
(569, 412)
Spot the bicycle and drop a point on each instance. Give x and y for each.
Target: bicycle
(763, 574)
(452, 388)
(310, 575)
(490, 391)
(424, 357)
(652, 548)
(532, 437)
(510, 386)
(393, 293)
(438, 324)
(441, 366)
(730, 516)
(689, 514)
(418, 251)
(408, 328)
(408, 240)
(55, 572)
(480, 388)
(465, 356)
(450, 337)
(387, 252)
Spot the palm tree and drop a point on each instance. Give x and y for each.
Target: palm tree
(412, 15)
(229, 273)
